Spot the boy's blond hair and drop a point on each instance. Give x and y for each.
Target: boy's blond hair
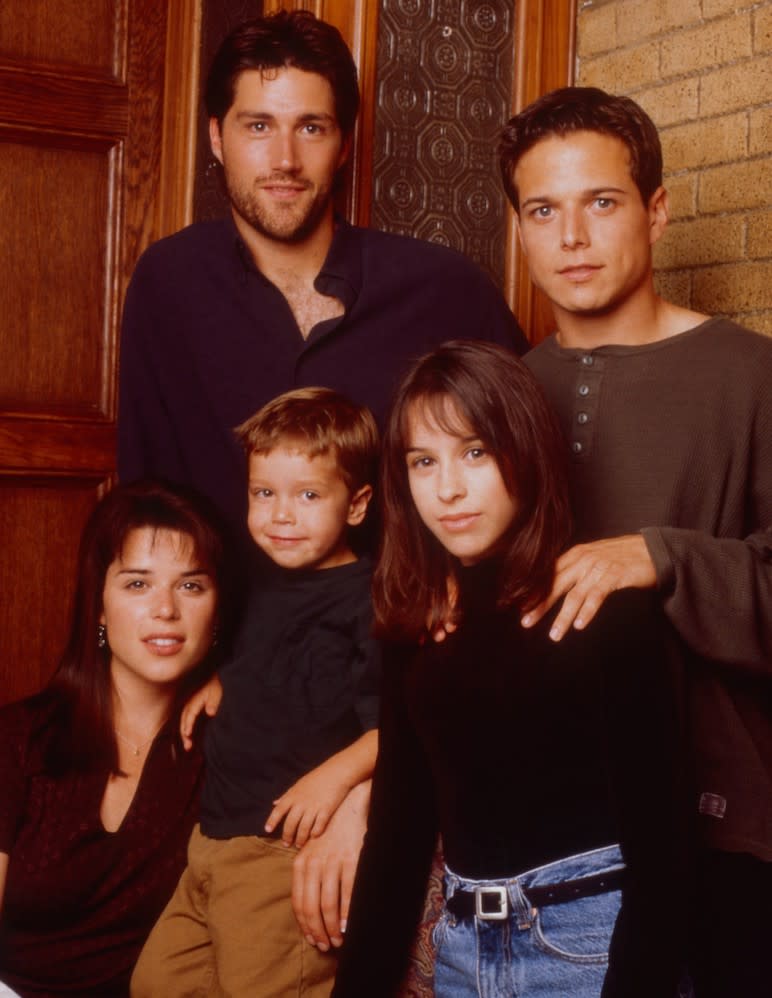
(317, 421)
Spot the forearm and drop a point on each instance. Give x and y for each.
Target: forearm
(307, 806)
(356, 763)
(3, 875)
(717, 592)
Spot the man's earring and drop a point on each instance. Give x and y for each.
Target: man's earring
(101, 636)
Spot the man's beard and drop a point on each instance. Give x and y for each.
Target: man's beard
(283, 223)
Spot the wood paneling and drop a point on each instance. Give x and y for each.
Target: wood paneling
(42, 516)
(54, 334)
(62, 32)
(81, 113)
(55, 446)
(357, 21)
(41, 100)
(545, 54)
(180, 117)
(138, 209)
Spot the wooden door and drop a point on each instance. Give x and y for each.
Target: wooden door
(81, 103)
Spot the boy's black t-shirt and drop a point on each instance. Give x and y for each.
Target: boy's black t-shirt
(302, 685)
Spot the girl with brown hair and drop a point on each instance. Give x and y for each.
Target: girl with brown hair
(533, 760)
(97, 798)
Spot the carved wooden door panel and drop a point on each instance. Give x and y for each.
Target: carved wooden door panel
(81, 97)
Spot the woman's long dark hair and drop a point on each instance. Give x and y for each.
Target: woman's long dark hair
(81, 689)
(494, 392)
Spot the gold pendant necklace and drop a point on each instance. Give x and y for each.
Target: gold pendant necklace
(136, 749)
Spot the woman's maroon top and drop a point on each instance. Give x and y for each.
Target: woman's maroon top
(80, 901)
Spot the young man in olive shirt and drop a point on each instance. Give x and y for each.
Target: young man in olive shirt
(669, 420)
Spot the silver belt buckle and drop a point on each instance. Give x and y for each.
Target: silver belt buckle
(498, 894)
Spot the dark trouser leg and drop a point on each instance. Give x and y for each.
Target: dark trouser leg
(732, 927)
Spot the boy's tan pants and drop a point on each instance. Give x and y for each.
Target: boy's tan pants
(229, 929)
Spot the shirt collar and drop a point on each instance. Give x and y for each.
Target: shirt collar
(341, 273)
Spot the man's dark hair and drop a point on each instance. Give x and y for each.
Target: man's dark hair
(583, 109)
(287, 38)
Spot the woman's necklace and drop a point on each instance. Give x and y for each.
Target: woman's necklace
(136, 749)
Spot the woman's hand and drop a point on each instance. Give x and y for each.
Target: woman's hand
(207, 699)
(323, 872)
(3, 872)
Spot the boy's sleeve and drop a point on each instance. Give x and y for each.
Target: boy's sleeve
(366, 671)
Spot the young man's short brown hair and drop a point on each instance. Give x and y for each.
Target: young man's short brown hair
(317, 421)
(286, 38)
(583, 109)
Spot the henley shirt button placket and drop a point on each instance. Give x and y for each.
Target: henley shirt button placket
(587, 394)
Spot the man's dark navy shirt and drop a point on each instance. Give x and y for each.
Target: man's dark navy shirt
(207, 340)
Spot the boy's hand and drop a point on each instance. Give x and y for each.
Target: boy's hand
(323, 873)
(308, 805)
(207, 699)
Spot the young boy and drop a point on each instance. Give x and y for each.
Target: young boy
(296, 727)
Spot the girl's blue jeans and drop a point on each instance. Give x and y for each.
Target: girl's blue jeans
(556, 951)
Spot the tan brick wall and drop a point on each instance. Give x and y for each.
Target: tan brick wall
(703, 71)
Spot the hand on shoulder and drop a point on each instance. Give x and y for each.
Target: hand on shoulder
(585, 576)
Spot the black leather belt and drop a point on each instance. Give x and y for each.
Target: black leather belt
(492, 903)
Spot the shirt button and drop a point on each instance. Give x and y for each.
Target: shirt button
(588, 360)
(584, 390)
(576, 447)
(582, 418)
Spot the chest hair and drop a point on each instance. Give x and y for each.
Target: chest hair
(309, 306)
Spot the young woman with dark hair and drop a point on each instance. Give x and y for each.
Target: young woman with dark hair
(532, 759)
(98, 799)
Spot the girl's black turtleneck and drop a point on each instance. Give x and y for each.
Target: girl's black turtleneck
(518, 751)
